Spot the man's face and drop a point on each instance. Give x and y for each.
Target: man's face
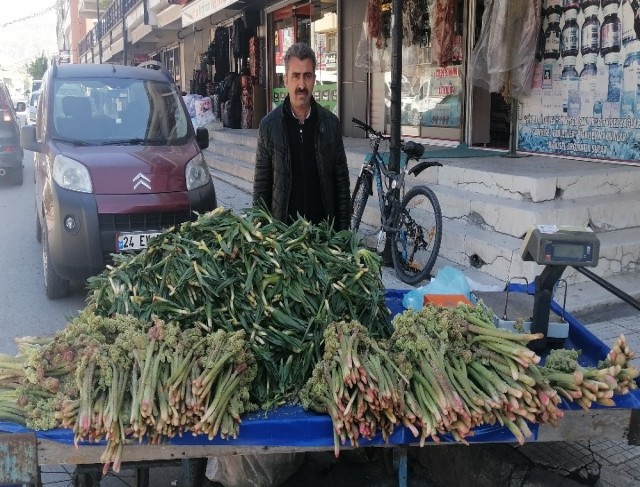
(299, 81)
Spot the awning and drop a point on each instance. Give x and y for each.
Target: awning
(199, 9)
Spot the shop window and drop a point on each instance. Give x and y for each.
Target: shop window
(315, 23)
(432, 78)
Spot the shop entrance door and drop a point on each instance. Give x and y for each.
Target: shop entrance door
(315, 23)
(490, 113)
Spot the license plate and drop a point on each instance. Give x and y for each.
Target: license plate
(133, 241)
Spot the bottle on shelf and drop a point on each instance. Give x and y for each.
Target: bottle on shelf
(631, 67)
(590, 34)
(589, 85)
(570, 80)
(570, 37)
(552, 32)
(610, 32)
(568, 5)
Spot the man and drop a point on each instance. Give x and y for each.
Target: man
(301, 167)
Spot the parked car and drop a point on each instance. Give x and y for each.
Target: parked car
(111, 172)
(10, 151)
(33, 107)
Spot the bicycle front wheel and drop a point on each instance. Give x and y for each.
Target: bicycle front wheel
(359, 199)
(416, 236)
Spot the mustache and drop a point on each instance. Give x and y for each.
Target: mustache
(302, 91)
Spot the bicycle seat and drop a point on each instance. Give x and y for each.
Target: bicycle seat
(413, 149)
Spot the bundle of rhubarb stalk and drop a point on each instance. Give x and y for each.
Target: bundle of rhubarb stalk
(449, 370)
(124, 380)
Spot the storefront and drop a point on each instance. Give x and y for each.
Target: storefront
(432, 66)
(314, 22)
(586, 96)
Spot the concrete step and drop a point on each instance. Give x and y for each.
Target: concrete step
(231, 150)
(229, 165)
(538, 178)
(498, 254)
(244, 137)
(514, 217)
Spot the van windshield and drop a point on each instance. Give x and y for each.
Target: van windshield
(118, 111)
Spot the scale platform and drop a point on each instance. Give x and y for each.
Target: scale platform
(519, 307)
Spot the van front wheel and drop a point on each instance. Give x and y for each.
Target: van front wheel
(55, 287)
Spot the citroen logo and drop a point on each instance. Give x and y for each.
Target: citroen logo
(141, 180)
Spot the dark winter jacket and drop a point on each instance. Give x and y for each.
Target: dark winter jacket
(272, 180)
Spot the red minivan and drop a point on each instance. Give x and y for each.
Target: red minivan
(117, 161)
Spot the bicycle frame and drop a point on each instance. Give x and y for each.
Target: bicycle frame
(408, 235)
(377, 167)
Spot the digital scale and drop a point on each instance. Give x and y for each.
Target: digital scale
(556, 248)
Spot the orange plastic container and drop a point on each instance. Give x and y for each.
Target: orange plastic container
(446, 300)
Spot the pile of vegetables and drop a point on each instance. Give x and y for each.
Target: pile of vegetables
(449, 370)
(280, 284)
(468, 373)
(588, 385)
(357, 384)
(121, 379)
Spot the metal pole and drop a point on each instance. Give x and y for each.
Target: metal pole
(396, 83)
(396, 94)
(124, 33)
(617, 292)
(99, 31)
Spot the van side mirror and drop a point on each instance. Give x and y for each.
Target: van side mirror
(28, 139)
(202, 137)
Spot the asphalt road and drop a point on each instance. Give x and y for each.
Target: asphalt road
(24, 308)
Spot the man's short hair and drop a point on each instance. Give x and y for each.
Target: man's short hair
(301, 51)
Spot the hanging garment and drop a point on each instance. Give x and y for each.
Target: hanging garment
(254, 57)
(504, 57)
(246, 82)
(239, 41)
(221, 43)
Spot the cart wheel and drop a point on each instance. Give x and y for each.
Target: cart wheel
(194, 472)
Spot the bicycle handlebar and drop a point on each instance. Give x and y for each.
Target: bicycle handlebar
(411, 148)
(368, 128)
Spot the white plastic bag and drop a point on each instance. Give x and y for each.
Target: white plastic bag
(204, 113)
(264, 470)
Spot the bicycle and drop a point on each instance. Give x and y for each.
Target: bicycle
(412, 220)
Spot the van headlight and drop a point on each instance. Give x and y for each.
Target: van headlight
(71, 175)
(197, 172)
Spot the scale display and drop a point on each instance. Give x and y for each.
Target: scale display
(555, 248)
(552, 245)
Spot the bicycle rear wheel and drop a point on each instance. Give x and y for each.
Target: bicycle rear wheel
(359, 199)
(417, 234)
